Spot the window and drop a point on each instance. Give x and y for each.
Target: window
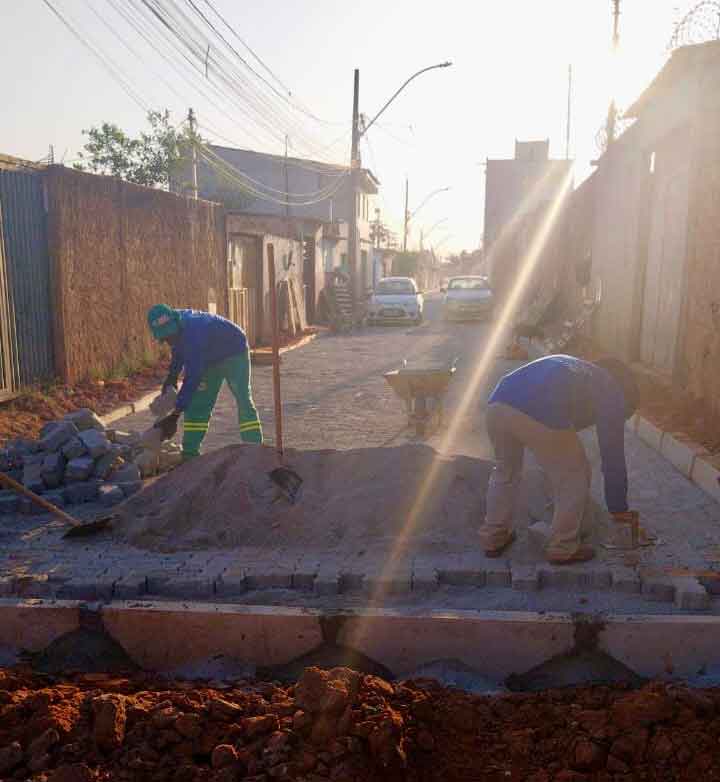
(396, 287)
(468, 284)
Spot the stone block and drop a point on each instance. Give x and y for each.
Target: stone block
(461, 573)
(45, 429)
(163, 403)
(498, 575)
(32, 477)
(95, 442)
(304, 578)
(130, 439)
(231, 582)
(539, 535)
(268, 577)
(73, 449)
(395, 580)
(351, 581)
(105, 465)
(21, 446)
(128, 487)
(130, 586)
(525, 578)
(690, 594)
(33, 586)
(9, 502)
(707, 476)
(184, 587)
(85, 420)
(680, 454)
(658, 589)
(650, 434)
(79, 469)
(148, 462)
(327, 581)
(169, 460)
(561, 577)
(79, 492)
(58, 436)
(53, 470)
(151, 439)
(88, 588)
(424, 577)
(110, 495)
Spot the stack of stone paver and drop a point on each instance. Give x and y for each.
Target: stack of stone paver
(77, 460)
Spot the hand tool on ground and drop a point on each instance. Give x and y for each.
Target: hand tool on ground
(77, 529)
(287, 480)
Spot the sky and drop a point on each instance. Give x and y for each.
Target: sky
(509, 80)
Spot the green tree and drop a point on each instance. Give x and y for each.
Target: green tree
(155, 158)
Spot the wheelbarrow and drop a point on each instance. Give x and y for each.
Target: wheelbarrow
(422, 387)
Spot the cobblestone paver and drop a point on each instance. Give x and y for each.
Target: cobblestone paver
(335, 397)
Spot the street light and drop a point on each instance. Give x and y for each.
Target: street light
(409, 216)
(355, 163)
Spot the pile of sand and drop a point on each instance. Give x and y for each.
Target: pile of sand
(367, 496)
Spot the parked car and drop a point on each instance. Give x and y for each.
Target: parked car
(467, 298)
(396, 300)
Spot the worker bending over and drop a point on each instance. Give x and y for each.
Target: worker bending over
(209, 349)
(542, 406)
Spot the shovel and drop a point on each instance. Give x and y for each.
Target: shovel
(77, 528)
(287, 480)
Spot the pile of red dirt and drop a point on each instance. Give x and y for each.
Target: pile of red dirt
(341, 725)
(24, 416)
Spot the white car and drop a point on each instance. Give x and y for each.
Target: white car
(396, 300)
(467, 298)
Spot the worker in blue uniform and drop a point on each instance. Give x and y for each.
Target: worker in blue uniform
(542, 406)
(210, 350)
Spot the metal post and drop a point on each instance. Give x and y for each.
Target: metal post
(407, 216)
(354, 174)
(193, 141)
(275, 349)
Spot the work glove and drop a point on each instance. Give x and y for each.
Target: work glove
(626, 517)
(168, 425)
(169, 383)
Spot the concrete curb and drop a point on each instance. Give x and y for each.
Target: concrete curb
(123, 411)
(264, 356)
(168, 636)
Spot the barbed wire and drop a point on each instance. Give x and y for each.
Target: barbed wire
(699, 25)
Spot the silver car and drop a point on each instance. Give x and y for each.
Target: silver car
(467, 298)
(396, 300)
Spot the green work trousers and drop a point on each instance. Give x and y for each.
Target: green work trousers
(236, 371)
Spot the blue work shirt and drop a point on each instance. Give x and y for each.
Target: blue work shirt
(563, 392)
(204, 340)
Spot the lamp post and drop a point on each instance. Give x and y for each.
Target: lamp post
(409, 215)
(357, 134)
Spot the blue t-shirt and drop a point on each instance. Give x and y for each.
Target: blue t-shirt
(563, 392)
(204, 340)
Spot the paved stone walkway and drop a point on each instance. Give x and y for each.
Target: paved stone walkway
(335, 397)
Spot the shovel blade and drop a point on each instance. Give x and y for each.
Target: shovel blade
(288, 481)
(90, 528)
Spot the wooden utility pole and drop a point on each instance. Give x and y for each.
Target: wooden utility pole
(272, 284)
(569, 114)
(612, 110)
(354, 187)
(287, 184)
(407, 217)
(193, 141)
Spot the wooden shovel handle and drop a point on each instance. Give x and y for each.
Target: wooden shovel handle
(11, 483)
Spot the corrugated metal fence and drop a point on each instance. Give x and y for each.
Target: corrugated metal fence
(27, 270)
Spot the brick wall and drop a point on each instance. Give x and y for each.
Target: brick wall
(116, 249)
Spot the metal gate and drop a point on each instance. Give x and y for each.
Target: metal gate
(25, 318)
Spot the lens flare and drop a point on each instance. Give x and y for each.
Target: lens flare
(499, 330)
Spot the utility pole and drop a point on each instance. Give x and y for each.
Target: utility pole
(51, 155)
(569, 114)
(612, 110)
(407, 217)
(354, 177)
(193, 141)
(287, 185)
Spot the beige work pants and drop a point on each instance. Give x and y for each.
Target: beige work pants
(559, 453)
